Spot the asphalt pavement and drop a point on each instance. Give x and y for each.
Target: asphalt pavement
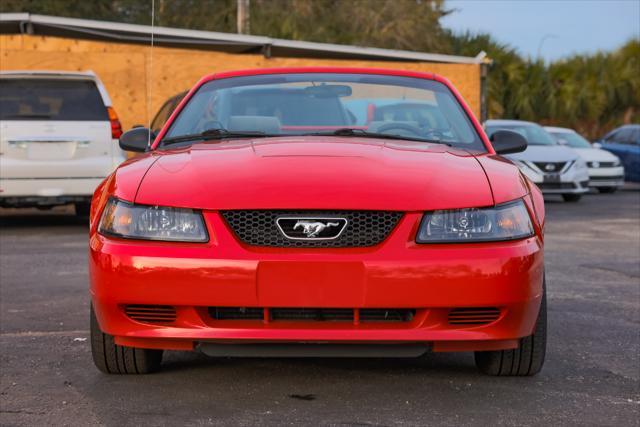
(591, 376)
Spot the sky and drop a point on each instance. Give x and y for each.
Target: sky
(552, 29)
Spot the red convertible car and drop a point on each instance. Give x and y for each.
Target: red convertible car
(269, 218)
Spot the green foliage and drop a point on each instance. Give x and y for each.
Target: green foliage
(589, 93)
(394, 24)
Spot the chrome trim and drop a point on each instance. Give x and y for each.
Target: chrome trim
(311, 218)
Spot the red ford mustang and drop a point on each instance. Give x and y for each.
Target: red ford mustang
(334, 212)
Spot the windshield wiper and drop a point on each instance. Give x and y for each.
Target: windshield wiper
(216, 133)
(366, 134)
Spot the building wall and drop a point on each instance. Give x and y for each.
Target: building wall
(124, 68)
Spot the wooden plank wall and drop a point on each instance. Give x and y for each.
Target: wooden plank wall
(122, 67)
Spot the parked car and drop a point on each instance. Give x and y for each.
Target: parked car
(606, 172)
(58, 138)
(165, 111)
(554, 168)
(261, 223)
(624, 142)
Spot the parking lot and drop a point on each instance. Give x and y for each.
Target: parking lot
(591, 377)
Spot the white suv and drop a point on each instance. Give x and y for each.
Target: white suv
(58, 138)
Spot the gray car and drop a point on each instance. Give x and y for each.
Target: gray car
(554, 168)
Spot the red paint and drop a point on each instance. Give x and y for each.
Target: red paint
(318, 173)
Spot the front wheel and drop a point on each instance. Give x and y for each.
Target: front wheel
(571, 197)
(527, 359)
(111, 358)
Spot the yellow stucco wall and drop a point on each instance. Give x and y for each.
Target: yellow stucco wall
(124, 68)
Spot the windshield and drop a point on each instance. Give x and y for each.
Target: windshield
(572, 139)
(306, 103)
(50, 99)
(535, 134)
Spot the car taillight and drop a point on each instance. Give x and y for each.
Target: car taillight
(116, 127)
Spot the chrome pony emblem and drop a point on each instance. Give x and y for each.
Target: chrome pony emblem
(311, 228)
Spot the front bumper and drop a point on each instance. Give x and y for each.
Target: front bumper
(606, 177)
(430, 279)
(33, 192)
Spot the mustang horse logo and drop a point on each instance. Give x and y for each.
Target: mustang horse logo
(313, 228)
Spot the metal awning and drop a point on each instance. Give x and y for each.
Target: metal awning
(26, 23)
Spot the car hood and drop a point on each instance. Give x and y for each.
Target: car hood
(545, 153)
(316, 173)
(595, 155)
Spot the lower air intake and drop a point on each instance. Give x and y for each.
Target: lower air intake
(312, 314)
(386, 315)
(236, 313)
(151, 313)
(304, 314)
(473, 315)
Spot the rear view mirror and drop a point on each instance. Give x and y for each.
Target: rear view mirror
(136, 139)
(507, 142)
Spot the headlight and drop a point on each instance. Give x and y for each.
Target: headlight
(129, 221)
(580, 164)
(523, 166)
(509, 221)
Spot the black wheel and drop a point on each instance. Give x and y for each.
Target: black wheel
(116, 359)
(607, 190)
(571, 197)
(82, 208)
(524, 361)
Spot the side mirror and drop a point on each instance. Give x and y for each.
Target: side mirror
(507, 142)
(597, 145)
(136, 139)
(562, 141)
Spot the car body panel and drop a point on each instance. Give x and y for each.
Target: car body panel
(506, 181)
(315, 173)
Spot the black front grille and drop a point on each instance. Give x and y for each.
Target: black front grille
(236, 313)
(364, 228)
(386, 315)
(557, 186)
(601, 164)
(550, 166)
(312, 314)
(304, 314)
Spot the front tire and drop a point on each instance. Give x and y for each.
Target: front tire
(111, 358)
(524, 361)
(571, 197)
